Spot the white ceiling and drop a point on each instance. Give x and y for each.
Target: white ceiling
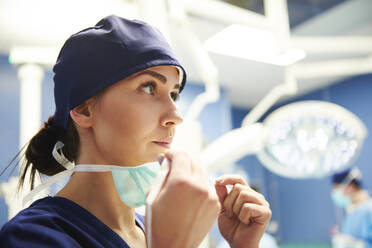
(246, 81)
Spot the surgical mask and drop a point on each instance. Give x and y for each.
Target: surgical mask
(340, 199)
(131, 183)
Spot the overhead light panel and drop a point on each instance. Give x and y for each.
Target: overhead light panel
(311, 139)
(252, 44)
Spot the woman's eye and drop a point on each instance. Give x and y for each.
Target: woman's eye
(175, 96)
(149, 88)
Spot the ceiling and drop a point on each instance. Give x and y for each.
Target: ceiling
(299, 10)
(246, 81)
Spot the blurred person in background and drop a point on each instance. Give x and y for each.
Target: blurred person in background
(348, 194)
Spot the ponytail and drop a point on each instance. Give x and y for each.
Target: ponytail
(38, 156)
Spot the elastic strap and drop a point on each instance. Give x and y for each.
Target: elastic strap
(45, 185)
(60, 157)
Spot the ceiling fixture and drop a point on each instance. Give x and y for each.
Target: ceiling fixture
(252, 44)
(311, 139)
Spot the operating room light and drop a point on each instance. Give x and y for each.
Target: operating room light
(311, 139)
(252, 44)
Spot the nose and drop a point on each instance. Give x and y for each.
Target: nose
(172, 117)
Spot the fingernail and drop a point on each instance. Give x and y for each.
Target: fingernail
(160, 158)
(228, 214)
(218, 180)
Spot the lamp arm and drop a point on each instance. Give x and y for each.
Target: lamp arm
(289, 87)
(232, 146)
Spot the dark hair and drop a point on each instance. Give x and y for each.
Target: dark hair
(356, 183)
(38, 155)
(340, 177)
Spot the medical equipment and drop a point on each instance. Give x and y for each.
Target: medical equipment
(300, 140)
(311, 139)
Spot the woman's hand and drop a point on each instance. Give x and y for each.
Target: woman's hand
(186, 206)
(245, 213)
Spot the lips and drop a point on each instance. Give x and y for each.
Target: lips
(166, 143)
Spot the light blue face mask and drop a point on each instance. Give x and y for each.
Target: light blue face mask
(132, 183)
(339, 199)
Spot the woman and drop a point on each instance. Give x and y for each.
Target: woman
(115, 88)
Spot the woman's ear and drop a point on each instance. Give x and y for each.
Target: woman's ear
(82, 115)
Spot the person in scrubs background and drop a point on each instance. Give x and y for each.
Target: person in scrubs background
(348, 194)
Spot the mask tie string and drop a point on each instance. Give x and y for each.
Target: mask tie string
(61, 159)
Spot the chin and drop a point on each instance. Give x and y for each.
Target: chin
(154, 155)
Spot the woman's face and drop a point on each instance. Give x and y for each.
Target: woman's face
(135, 119)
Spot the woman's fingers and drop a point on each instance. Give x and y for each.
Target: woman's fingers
(246, 196)
(186, 204)
(240, 195)
(180, 163)
(222, 192)
(230, 180)
(187, 173)
(251, 212)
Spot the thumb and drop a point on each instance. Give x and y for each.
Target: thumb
(162, 176)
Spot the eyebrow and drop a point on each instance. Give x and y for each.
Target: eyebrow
(157, 75)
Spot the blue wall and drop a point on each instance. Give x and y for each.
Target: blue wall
(303, 208)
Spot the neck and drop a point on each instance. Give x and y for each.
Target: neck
(96, 192)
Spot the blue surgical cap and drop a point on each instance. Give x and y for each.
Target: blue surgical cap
(345, 176)
(99, 56)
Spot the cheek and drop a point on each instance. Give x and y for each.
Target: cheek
(127, 123)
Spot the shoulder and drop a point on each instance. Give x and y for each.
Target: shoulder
(365, 208)
(36, 226)
(58, 222)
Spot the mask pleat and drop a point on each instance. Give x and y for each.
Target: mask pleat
(136, 180)
(149, 172)
(144, 175)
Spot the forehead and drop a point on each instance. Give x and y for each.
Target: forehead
(165, 74)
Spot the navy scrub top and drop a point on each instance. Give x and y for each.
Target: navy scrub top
(59, 222)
